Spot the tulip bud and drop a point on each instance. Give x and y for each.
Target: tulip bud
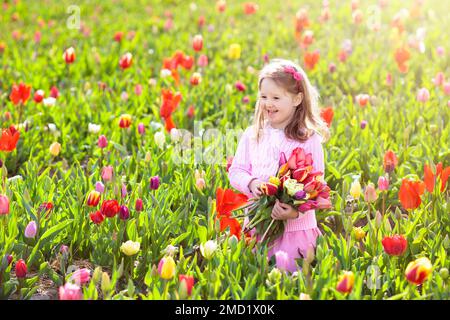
(106, 284)
(21, 269)
(55, 148)
(54, 92)
(124, 190)
(191, 112)
(130, 248)
(125, 61)
(99, 187)
(197, 43)
(148, 156)
(141, 128)
(81, 276)
(160, 139)
(96, 276)
(102, 142)
(196, 78)
(355, 189)
(107, 173)
(234, 51)
(154, 182)
(443, 273)
(363, 124)
(124, 213)
(4, 205)
(139, 205)
(64, 249)
(31, 229)
(423, 95)
(69, 55)
(331, 68)
(359, 233)
(202, 61)
(383, 183)
(166, 268)
(138, 89)
(378, 219)
(274, 276)
(208, 249)
(370, 194)
(186, 285)
(200, 183)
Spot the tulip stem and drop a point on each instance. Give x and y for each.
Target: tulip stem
(268, 228)
(166, 289)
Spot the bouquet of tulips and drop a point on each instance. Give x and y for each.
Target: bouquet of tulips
(295, 184)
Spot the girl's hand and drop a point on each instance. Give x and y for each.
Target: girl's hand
(283, 211)
(254, 187)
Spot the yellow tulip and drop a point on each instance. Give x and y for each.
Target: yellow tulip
(234, 52)
(166, 268)
(130, 248)
(418, 270)
(55, 148)
(359, 233)
(355, 189)
(275, 181)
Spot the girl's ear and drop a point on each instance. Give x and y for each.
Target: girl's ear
(298, 98)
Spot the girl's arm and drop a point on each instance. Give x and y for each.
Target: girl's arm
(240, 173)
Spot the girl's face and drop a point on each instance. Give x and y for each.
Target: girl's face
(277, 104)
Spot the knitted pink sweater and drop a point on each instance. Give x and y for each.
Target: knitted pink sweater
(253, 160)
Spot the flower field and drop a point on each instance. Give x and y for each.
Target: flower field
(120, 120)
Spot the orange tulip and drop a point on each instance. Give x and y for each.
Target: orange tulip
(20, 93)
(327, 115)
(430, 178)
(250, 8)
(9, 138)
(410, 192)
(402, 55)
(390, 161)
(418, 271)
(170, 101)
(310, 59)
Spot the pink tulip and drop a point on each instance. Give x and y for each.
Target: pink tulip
(31, 229)
(370, 194)
(389, 80)
(282, 260)
(99, 187)
(81, 276)
(423, 95)
(107, 173)
(447, 88)
(439, 79)
(70, 292)
(310, 205)
(331, 68)
(440, 51)
(124, 190)
(139, 205)
(383, 183)
(202, 61)
(138, 89)
(4, 205)
(141, 128)
(323, 203)
(102, 142)
(200, 183)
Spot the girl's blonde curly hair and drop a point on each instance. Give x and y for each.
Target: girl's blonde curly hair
(306, 118)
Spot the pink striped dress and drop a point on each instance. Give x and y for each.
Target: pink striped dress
(260, 160)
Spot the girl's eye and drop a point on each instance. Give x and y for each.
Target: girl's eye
(276, 98)
(263, 97)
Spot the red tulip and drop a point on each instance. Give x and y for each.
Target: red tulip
(240, 86)
(227, 200)
(110, 208)
(327, 115)
(299, 159)
(118, 36)
(39, 96)
(21, 269)
(97, 217)
(430, 178)
(54, 92)
(9, 138)
(187, 62)
(139, 205)
(250, 8)
(20, 93)
(125, 121)
(191, 111)
(235, 226)
(197, 42)
(410, 192)
(189, 282)
(395, 245)
(390, 161)
(69, 55)
(126, 60)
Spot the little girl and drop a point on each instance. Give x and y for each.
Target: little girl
(287, 116)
